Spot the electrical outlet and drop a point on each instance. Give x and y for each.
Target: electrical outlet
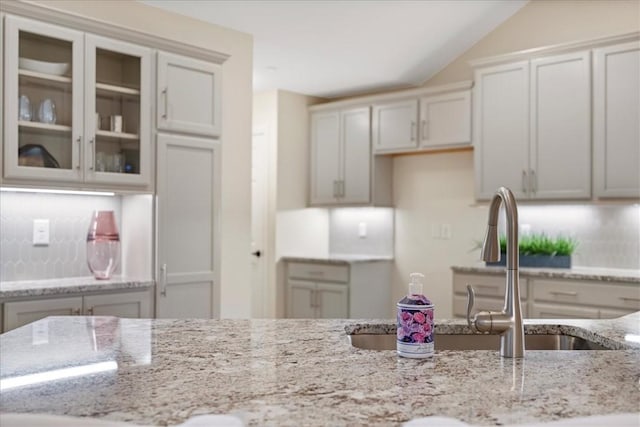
(445, 231)
(40, 232)
(362, 230)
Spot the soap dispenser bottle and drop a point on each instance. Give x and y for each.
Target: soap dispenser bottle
(415, 322)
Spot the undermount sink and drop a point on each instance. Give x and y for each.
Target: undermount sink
(478, 342)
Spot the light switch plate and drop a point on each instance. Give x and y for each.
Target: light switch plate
(40, 232)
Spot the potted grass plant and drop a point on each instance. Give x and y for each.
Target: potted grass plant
(540, 250)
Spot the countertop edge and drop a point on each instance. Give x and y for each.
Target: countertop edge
(68, 286)
(603, 275)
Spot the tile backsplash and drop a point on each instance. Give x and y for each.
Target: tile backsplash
(68, 216)
(347, 224)
(608, 235)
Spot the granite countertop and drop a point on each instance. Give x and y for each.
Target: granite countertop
(305, 373)
(338, 259)
(577, 273)
(72, 285)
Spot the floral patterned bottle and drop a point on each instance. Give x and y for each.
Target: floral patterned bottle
(415, 322)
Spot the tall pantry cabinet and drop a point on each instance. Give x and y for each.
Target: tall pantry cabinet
(188, 180)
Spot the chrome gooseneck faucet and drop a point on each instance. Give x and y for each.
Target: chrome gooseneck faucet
(508, 322)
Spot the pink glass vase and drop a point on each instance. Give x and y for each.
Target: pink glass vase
(103, 244)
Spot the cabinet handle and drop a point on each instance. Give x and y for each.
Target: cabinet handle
(534, 182)
(90, 311)
(163, 279)
(76, 311)
(317, 298)
(413, 131)
(316, 273)
(341, 188)
(165, 92)
(79, 143)
(629, 299)
(524, 181)
(335, 188)
(424, 130)
(93, 153)
(489, 287)
(564, 293)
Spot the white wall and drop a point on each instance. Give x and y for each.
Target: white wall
(235, 212)
(292, 228)
(432, 189)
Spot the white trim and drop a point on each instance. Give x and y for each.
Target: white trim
(393, 96)
(46, 13)
(554, 49)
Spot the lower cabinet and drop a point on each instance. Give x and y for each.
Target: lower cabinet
(549, 298)
(489, 293)
(122, 304)
(317, 300)
(337, 290)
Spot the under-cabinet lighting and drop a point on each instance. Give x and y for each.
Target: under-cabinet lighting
(57, 374)
(632, 337)
(50, 191)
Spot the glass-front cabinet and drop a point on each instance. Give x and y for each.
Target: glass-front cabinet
(82, 108)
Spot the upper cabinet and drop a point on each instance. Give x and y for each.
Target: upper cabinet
(343, 170)
(532, 128)
(188, 95)
(616, 121)
(82, 108)
(445, 120)
(437, 119)
(395, 126)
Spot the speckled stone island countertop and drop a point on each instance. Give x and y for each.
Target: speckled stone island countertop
(73, 285)
(577, 273)
(305, 373)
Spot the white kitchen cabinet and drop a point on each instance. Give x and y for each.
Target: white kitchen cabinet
(532, 128)
(594, 299)
(548, 298)
(501, 129)
(343, 171)
(489, 293)
(188, 95)
(136, 304)
(338, 290)
(560, 141)
(187, 217)
(445, 120)
(317, 300)
(395, 126)
(77, 75)
(616, 121)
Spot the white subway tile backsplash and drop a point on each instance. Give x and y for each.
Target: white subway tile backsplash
(69, 217)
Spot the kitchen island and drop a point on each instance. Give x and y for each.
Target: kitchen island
(305, 372)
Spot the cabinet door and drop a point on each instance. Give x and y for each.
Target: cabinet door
(616, 121)
(325, 157)
(560, 149)
(20, 313)
(332, 301)
(445, 120)
(395, 126)
(133, 305)
(118, 105)
(355, 183)
(43, 78)
(188, 179)
(561, 311)
(301, 300)
(501, 129)
(188, 95)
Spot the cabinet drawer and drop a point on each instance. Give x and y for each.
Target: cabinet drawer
(601, 294)
(561, 311)
(320, 272)
(485, 285)
(481, 303)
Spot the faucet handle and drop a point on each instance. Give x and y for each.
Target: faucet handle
(471, 298)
